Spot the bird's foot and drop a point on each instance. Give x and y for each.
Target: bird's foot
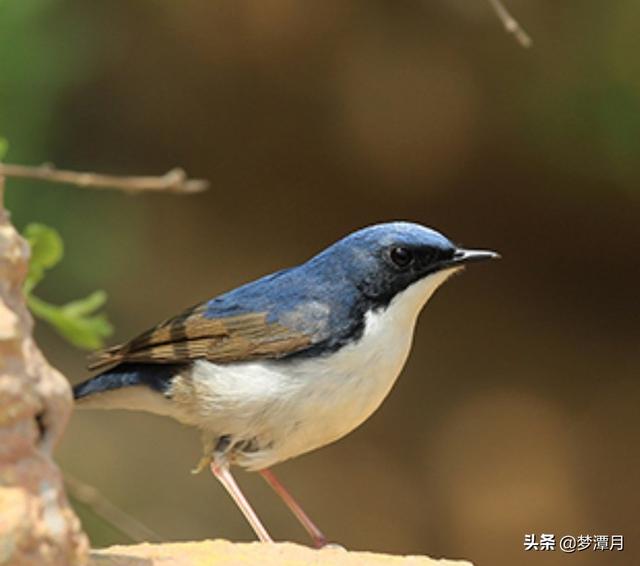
(203, 464)
(208, 444)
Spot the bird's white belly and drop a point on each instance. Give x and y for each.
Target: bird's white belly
(300, 405)
(344, 389)
(293, 406)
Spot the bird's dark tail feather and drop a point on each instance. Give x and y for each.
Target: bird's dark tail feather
(154, 376)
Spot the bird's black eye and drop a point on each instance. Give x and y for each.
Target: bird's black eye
(401, 256)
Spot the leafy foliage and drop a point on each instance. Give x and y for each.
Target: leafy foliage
(78, 321)
(47, 250)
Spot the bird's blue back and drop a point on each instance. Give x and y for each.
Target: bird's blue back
(323, 297)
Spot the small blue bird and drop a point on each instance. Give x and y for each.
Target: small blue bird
(288, 363)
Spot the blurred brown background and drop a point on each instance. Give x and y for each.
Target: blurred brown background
(518, 410)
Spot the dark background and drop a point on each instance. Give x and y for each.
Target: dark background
(518, 409)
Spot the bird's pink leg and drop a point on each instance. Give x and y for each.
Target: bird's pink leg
(222, 473)
(319, 540)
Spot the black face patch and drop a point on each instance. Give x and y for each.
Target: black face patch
(398, 267)
(381, 275)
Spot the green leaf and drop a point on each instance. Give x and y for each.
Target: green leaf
(75, 321)
(84, 307)
(47, 250)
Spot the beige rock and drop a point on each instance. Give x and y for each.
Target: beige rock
(37, 526)
(224, 553)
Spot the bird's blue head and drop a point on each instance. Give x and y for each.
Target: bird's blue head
(384, 259)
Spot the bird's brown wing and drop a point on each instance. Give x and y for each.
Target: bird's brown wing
(192, 335)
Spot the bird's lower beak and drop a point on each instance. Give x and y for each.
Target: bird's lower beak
(462, 257)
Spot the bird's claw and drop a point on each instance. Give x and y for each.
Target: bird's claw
(202, 464)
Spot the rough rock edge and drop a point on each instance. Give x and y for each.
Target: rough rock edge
(225, 553)
(37, 525)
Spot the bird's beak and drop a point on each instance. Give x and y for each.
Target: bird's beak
(462, 256)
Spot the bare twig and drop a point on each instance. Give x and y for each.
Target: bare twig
(113, 515)
(510, 24)
(175, 181)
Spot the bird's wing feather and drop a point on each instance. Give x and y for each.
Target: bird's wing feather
(194, 334)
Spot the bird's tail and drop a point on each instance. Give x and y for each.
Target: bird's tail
(128, 386)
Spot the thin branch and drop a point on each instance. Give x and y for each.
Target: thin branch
(175, 181)
(113, 515)
(510, 24)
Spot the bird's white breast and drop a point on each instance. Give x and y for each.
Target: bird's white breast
(296, 406)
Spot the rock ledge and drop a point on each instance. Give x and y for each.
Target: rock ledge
(224, 553)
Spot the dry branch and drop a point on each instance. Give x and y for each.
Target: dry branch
(175, 181)
(121, 520)
(510, 24)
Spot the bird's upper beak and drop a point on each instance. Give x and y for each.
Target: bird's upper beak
(462, 256)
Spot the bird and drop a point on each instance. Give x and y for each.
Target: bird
(287, 363)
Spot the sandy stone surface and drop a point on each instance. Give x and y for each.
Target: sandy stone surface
(37, 526)
(224, 553)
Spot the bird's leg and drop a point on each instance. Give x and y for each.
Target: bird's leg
(208, 446)
(220, 470)
(319, 540)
